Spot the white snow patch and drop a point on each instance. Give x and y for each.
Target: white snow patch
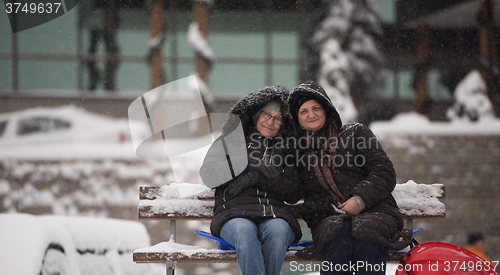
(4, 187)
(107, 244)
(172, 246)
(69, 151)
(199, 43)
(419, 199)
(25, 238)
(471, 99)
(414, 123)
(171, 202)
(102, 234)
(179, 206)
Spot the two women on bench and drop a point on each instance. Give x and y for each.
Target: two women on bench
(341, 172)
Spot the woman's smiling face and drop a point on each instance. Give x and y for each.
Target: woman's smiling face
(312, 115)
(267, 126)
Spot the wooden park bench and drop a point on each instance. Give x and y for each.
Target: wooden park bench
(173, 202)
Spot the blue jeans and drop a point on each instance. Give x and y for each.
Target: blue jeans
(345, 255)
(254, 257)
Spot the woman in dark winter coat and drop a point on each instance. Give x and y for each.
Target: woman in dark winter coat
(252, 182)
(346, 180)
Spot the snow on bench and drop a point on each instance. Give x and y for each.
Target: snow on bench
(185, 201)
(166, 203)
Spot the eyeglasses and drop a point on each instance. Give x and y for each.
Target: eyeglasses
(267, 116)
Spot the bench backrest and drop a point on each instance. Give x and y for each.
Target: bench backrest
(416, 201)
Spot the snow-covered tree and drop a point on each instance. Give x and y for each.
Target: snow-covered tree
(471, 99)
(347, 43)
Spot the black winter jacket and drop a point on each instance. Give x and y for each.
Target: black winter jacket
(267, 198)
(361, 168)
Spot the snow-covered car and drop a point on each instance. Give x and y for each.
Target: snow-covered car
(66, 124)
(33, 245)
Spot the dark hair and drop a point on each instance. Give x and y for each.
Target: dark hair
(475, 236)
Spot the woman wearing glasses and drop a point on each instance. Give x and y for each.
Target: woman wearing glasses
(250, 211)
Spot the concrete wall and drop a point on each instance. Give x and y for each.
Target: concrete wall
(468, 166)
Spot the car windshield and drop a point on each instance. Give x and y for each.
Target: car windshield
(61, 124)
(33, 125)
(40, 125)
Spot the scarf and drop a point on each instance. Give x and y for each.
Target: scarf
(326, 141)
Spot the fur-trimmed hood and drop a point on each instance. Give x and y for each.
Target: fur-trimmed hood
(246, 107)
(307, 91)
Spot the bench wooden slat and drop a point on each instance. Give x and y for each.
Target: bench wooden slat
(198, 257)
(157, 206)
(146, 213)
(220, 256)
(147, 192)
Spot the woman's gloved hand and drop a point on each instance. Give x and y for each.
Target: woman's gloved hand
(242, 182)
(269, 171)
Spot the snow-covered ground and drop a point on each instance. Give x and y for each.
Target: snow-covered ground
(413, 123)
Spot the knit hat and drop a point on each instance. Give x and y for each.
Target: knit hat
(274, 105)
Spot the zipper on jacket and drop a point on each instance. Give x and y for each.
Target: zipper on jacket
(224, 198)
(265, 153)
(258, 192)
(272, 211)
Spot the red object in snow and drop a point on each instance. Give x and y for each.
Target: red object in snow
(441, 258)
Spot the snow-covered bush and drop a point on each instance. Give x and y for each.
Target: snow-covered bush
(471, 99)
